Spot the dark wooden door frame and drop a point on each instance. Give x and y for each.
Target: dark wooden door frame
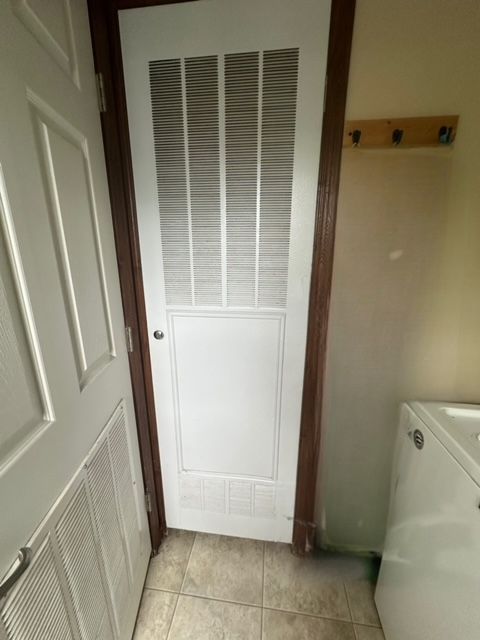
(108, 62)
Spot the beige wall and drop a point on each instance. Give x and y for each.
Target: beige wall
(405, 309)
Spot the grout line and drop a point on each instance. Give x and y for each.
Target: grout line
(259, 606)
(354, 631)
(316, 616)
(241, 604)
(181, 586)
(162, 589)
(349, 609)
(173, 616)
(368, 624)
(188, 562)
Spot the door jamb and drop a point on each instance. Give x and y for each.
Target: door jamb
(108, 61)
(338, 64)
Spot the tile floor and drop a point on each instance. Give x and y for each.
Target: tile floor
(209, 587)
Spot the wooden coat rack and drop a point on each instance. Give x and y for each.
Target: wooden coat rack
(435, 131)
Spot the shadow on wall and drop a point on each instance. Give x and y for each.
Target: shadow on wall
(405, 315)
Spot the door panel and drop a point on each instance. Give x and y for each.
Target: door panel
(68, 182)
(25, 396)
(244, 355)
(224, 102)
(64, 365)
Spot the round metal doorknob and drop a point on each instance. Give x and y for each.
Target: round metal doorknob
(158, 334)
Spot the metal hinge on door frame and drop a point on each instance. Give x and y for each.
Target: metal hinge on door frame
(129, 339)
(148, 501)
(102, 100)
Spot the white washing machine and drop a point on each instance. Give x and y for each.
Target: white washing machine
(429, 582)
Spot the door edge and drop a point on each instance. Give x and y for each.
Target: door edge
(338, 64)
(104, 29)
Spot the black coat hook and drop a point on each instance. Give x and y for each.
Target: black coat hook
(397, 136)
(446, 135)
(356, 135)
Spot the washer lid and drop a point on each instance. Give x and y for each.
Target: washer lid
(457, 426)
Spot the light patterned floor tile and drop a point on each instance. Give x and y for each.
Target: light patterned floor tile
(360, 598)
(155, 615)
(167, 569)
(278, 625)
(298, 585)
(225, 568)
(368, 633)
(201, 619)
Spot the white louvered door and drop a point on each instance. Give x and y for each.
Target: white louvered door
(225, 108)
(70, 474)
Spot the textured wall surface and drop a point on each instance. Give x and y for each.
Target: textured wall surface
(405, 310)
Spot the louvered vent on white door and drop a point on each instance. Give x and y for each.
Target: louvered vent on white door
(78, 586)
(224, 133)
(201, 81)
(76, 541)
(170, 159)
(107, 521)
(123, 482)
(241, 175)
(279, 98)
(38, 609)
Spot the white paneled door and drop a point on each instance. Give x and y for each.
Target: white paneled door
(225, 109)
(70, 476)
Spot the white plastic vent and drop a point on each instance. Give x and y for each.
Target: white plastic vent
(37, 608)
(123, 481)
(224, 133)
(169, 141)
(242, 173)
(203, 137)
(280, 72)
(105, 632)
(102, 492)
(76, 541)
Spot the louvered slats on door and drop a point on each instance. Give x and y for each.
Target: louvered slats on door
(38, 608)
(201, 87)
(102, 493)
(279, 97)
(123, 482)
(242, 174)
(78, 586)
(224, 134)
(76, 540)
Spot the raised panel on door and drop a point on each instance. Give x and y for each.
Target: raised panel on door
(25, 401)
(50, 21)
(225, 128)
(67, 174)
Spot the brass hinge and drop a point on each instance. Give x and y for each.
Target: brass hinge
(148, 501)
(102, 100)
(129, 339)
